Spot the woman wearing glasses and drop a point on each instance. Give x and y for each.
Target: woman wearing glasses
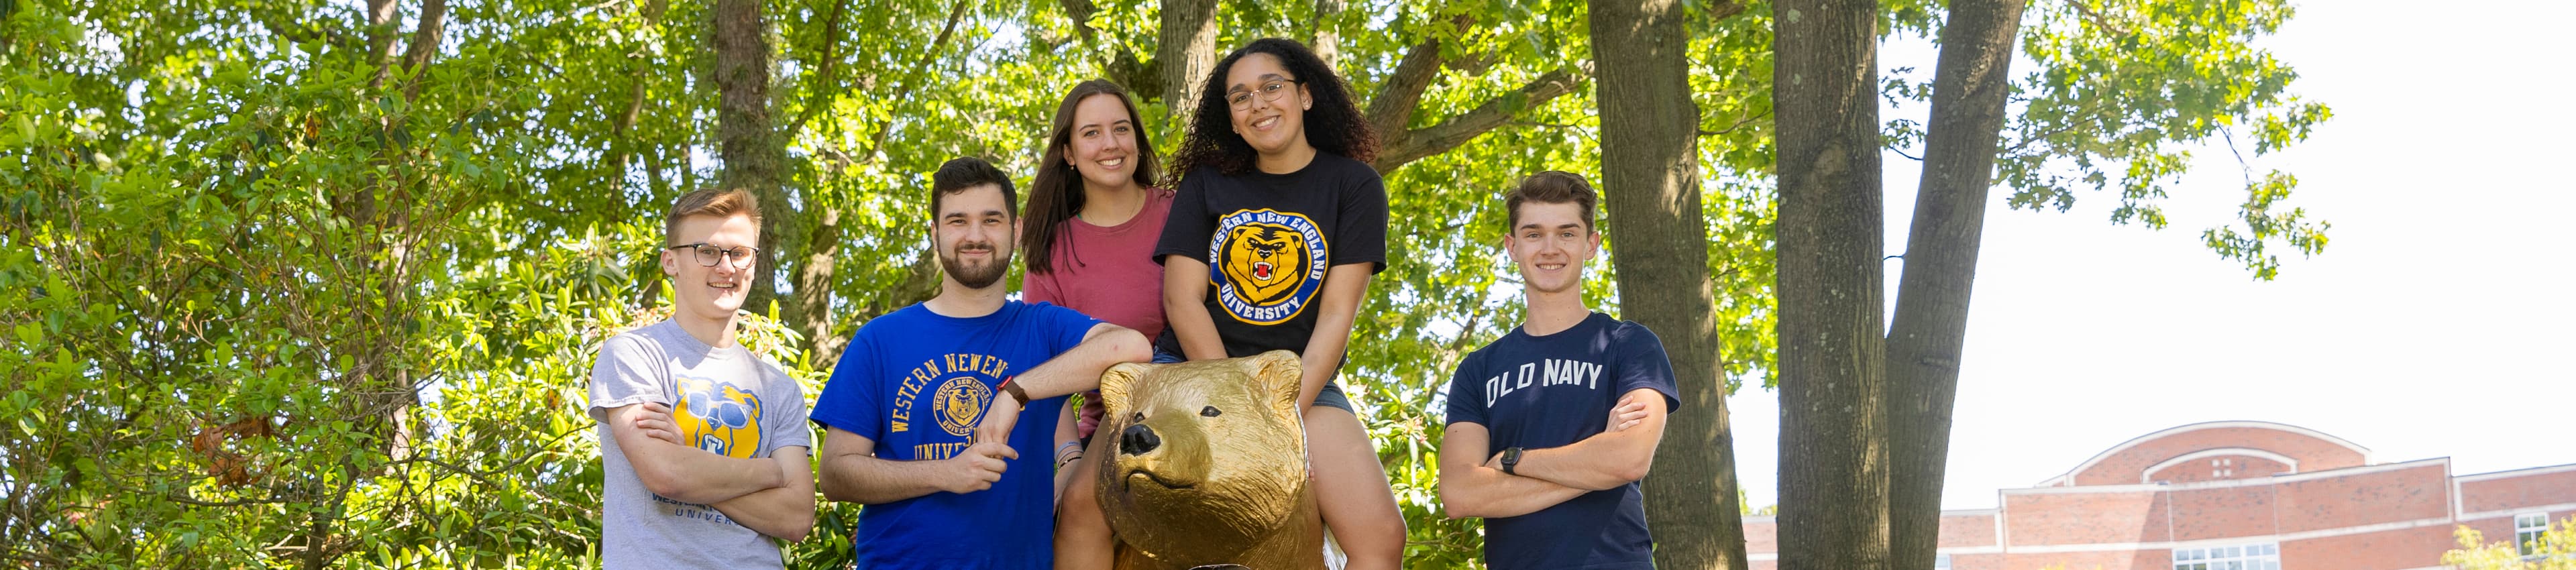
(1277, 228)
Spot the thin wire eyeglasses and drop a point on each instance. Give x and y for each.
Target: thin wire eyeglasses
(1270, 91)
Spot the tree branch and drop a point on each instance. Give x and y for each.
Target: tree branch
(1416, 144)
(1739, 123)
(2096, 17)
(1723, 9)
(956, 13)
(424, 44)
(1392, 109)
(830, 50)
(1080, 11)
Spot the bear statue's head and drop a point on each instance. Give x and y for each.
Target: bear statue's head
(1206, 457)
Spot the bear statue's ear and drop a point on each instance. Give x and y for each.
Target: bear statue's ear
(1114, 383)
(1278, 373)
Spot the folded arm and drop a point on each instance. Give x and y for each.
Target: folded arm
(1607, 459)
(682, 473)
(1470, 489)
(785, 511)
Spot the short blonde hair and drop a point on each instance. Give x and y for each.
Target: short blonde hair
(710, 202)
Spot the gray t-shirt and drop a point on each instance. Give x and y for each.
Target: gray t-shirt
(726, 401)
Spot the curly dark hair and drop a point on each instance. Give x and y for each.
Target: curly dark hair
(1055, 195)
(1334, 125)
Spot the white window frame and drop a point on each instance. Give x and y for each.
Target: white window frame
(2527, 531)
(1941, 562)
(2249, 556)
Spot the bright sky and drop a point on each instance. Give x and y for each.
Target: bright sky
(2437, 323)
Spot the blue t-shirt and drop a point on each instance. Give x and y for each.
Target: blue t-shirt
(1538, 392)
(917, 383)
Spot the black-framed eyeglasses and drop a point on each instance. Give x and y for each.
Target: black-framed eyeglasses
(1270, 91)
(708, 254)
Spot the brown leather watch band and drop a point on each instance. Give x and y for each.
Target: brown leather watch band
(1010, 386)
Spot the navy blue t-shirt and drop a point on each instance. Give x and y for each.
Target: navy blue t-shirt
(917, 384)
(1539, 392)
(1269, 240)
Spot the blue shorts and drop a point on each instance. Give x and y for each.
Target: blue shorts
(1331, 396)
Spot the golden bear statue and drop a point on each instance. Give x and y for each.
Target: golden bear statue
(1207, 466)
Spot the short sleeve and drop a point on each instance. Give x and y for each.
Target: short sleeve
(1065, 327)
(1642, 363)
(1186, 231)
(629, 372)
(850, 398)
(789, 423)
(1361, 236)
(1038, 287)
(1467, 392)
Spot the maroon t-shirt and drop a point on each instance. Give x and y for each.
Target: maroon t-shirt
(1109, 273)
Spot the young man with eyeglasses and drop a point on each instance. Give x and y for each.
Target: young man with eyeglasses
(1551, 426)
(939, 415)
(704, 444)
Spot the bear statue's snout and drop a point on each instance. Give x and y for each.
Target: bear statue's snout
(1138, 440)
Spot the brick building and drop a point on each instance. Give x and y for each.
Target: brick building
(2239, 495)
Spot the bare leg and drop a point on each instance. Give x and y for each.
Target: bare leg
(1351, 487)
(1082, 537)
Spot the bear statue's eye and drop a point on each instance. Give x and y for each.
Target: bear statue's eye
(1140, 417)
(1209, 411)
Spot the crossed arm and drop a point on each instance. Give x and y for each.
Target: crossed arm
(1473, 484)
(772, 495)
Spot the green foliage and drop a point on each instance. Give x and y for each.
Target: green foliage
(2121, 85)
(2554, 550)
(281, 300)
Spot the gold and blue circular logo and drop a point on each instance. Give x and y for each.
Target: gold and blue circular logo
(959, 404)
(1266, 264)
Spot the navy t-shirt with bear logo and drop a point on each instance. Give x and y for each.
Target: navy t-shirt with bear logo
(1539, 392)
(1268, 240)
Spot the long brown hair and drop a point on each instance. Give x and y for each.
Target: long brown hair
(1334, 125)
(1055, 195)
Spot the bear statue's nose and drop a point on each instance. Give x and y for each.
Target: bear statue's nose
(1137, 440)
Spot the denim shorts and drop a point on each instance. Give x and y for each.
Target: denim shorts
(1331, 396)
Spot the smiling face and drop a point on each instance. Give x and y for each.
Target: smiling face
(1551, 244)
(976, 230)
(1103, 145)
(710, 292)
(1271, 127)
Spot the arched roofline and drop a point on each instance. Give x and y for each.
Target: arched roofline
(2147, 475)
(2069, 477)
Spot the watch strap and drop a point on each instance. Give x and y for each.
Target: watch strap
(1011, 386)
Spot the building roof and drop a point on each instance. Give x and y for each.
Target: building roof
(2263, 448)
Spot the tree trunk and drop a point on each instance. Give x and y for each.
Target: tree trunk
(1327, 41)
(1968, 95)
(745, 138)
(1833, 477)
(1185, 50)
(813, 307)
(380, 39)
(1650, 176)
